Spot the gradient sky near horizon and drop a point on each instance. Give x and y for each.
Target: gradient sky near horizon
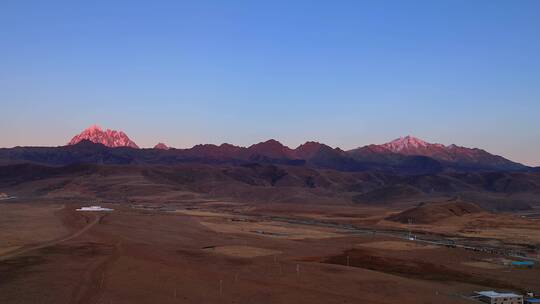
(346, 73)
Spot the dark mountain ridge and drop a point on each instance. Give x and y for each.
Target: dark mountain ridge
(405, 155)
(311, 154)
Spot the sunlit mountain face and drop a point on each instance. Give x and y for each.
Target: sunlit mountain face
(109, 138)
(412, 146)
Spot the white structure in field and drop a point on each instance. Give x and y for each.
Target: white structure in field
(94, 208)
(4, 196)
(494, 297)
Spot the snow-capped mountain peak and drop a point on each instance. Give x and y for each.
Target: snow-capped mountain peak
(405, 143)
(109, 138)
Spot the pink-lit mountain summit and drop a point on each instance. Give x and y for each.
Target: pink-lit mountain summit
(109, 138)
(410, 145)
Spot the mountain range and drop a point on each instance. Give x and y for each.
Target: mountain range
(405, 155)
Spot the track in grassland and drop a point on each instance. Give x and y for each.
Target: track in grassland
(18, 252)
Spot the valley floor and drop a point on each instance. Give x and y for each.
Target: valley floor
(219, 252)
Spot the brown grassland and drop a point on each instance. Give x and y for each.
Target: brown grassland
(164, 244)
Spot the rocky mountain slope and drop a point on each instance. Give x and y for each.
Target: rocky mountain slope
(451, 155)
(161, 146)
(108, 138)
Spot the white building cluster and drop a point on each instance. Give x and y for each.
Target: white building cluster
(94, 208)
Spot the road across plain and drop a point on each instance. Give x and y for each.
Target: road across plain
(25, 250)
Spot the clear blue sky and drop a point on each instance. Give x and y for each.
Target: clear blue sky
(346, 73)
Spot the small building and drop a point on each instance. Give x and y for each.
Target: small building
(493, 297)
(532, 301)
(4, 196)
(94, 208)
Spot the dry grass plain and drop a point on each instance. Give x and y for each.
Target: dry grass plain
(243, 251)
(25, 224)
(228, 253)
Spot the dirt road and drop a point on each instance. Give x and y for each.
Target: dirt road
(24, 250)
